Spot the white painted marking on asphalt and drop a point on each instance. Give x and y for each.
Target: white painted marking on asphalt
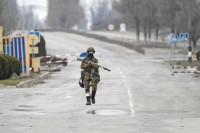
(131, 105)
(67, 97)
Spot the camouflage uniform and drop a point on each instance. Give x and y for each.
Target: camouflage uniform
(91, 75)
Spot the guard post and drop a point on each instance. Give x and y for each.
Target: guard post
(34, 39)
(19, 47)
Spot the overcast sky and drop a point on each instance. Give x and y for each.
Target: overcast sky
(40, 13)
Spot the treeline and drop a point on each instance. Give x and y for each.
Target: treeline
(64, 14)
(9, 15)
(13, 17)
(176, 15)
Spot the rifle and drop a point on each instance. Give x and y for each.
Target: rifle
(79, 59)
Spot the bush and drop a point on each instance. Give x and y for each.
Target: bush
(5, 66)
(11, 69)
(16, 65)
(1, 71)
(8, 65)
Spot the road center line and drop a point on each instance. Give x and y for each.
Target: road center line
(131, 105)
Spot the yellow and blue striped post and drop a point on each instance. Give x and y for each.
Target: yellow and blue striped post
(18, 46)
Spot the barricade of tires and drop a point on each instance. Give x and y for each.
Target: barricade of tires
(8, 66)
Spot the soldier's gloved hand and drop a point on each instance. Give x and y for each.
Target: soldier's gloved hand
(95, 66)
(92, 63)
(89, 63)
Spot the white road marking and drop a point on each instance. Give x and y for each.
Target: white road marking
(131, 105)
(67, 97)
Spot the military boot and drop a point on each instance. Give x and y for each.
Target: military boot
(88, 100)
(93, 97)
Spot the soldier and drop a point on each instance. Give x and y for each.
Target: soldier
(91, 75)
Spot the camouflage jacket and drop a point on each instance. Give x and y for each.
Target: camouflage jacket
(91, 69)
(87, 67)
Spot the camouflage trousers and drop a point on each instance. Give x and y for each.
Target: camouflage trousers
(88, 81)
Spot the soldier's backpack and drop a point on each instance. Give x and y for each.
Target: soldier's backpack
(82, 79)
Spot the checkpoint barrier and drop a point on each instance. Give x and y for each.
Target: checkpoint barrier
(53, 59)
(185, 69)
(18, 47)
(45, 60)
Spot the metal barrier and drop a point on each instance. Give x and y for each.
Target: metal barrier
(185, 69)
(45, 60)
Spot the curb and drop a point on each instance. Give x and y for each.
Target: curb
(39, 80)
(32, 82)
(45, 75)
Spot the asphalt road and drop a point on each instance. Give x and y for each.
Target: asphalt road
(139, 95)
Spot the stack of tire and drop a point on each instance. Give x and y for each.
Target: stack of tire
(8, 66)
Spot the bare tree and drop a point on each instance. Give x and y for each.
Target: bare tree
(9, 15)
(148, 17)
(144, 18)
(64, 14)
(188, 19)
(133, 8)
(151, 17)
(194, 28)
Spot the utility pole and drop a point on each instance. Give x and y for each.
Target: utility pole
(190, 32)
(189, 19)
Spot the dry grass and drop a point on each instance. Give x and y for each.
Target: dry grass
(12, 82)
(15, 81)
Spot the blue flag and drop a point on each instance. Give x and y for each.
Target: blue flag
(83, 54)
